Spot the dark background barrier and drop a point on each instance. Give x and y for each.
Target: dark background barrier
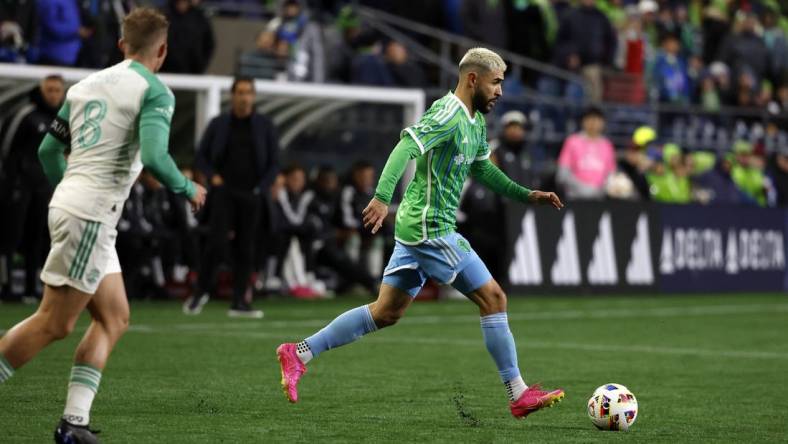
(631, 247)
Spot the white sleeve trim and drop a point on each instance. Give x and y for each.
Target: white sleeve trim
(484, 156)
(418, 142)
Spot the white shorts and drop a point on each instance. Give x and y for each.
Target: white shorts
(81, 254)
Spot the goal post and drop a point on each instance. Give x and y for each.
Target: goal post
(212, 91)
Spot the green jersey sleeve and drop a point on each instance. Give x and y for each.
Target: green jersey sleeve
(405, 150)
(154, 129)
(52, 148)
(434, 129)
(493, 178)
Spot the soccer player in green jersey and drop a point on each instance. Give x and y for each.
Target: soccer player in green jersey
(448, 143)
(115, 122)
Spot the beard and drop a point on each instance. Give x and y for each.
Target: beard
(482, 103)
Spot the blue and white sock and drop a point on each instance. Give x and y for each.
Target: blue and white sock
(6, 371)
(500, 343)
(346, 328)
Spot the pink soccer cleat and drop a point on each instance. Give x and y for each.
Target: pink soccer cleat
(292, 369)
(533, 399)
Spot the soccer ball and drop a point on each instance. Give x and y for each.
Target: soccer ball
(612, 407)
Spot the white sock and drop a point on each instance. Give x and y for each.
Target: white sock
(304, 352)
(515, 388)
(78, 403)
(82, 389)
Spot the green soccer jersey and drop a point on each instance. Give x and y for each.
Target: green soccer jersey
(450, 140)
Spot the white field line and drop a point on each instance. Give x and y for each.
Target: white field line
(526, 344)
(613, 313)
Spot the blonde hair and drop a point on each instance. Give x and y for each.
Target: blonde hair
(482, 58)
(143, 28)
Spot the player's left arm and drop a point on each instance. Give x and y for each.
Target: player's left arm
(493, 178)
(51, 152)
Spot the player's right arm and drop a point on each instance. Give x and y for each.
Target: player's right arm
(154, 130)
(415, 141)
(51, 152)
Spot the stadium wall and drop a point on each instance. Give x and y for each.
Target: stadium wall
(631, 248)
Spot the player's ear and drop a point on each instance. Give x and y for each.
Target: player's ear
(162, 50)
(122, 45)
(472, 79)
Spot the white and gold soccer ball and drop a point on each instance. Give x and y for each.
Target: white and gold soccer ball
(613, 407)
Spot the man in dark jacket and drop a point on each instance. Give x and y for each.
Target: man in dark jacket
(746, 52)
(23, 186)
(586, 32)
(239, 156)
(190, 40)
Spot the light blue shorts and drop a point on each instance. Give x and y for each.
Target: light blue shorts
(449, 260)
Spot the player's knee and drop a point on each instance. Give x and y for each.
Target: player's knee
(386, 317)
(494, 301)
(57, 328)
(118, 324)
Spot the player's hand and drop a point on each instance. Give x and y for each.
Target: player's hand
(216, 180)
(198, 200)
(374, 214)
(542, 197)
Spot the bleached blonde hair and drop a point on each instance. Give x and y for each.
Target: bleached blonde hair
(482, 58)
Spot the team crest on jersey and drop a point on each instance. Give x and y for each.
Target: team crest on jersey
(92, 276)
(464, 245)
(459, 159)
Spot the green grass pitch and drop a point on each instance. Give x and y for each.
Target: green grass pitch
(704, 369)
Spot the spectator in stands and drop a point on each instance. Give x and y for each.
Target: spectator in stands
(715, 27)
(60, 32)
(633, 45)
(723, 83)
(268, 60)
(586, 31)
(635, 161)
(292, 205)
(239, 156)
(670, 75)
(354, 197)
(101, 23)
(669, 177)
(587, 159)
(776, 42)
(12, 43)
(322, 217)
(485, 21)
(143, 237)
(19, 17)
(23, 186)
(532, 27)
(190, 39)
(404, 72)
(747, 171)
(341, 42)
(523, 165)
(709, 96)
(305, 40)
(778, 176)
(744, 51)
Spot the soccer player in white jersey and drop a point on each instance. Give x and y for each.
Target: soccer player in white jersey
(115, 122)
(449, 143)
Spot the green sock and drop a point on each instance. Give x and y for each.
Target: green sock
(6, 371)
